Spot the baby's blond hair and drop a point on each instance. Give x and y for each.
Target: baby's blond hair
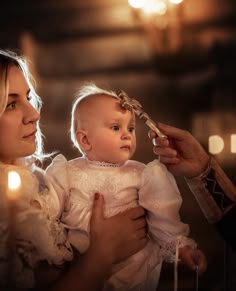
(84, 92)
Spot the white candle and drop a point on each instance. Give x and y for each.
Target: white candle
(13, 193)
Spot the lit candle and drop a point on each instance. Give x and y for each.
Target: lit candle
(14, 183)
(13, 193)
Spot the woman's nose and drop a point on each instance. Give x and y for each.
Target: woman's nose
(31, 115)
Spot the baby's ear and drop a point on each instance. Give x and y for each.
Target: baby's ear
(82, 139)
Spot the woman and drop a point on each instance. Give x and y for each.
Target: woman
(20, 147)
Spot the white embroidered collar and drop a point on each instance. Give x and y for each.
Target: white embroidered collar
(103, 164)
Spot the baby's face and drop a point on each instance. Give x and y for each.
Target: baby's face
(111, 131)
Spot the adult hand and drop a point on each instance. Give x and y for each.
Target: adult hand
(181, 152)
(119, 236)
(111, 240)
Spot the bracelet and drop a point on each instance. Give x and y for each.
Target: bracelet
(205, 173)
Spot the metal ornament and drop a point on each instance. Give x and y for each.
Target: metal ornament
(134, 105)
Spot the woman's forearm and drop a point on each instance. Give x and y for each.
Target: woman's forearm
(87, 273)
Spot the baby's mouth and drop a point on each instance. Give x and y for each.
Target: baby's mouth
(126, 147)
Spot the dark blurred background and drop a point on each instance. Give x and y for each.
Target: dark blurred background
(178, 59)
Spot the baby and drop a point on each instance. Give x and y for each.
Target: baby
(104, 133)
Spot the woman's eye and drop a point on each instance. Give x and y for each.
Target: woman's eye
(115, 127)
(11, 105)
(29, 97)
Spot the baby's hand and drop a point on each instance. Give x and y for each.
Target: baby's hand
(193, 258)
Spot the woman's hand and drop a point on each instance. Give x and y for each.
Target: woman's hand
(111, 240)
(120, 236)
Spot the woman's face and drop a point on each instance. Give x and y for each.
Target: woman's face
(18, 122)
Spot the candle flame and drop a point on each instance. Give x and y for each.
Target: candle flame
(14, 183)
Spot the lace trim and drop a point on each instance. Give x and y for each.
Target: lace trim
(168, 250)
(103, 164)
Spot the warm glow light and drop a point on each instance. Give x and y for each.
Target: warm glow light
(14, 183)
(233, 143)
(215, 144)
(176, 1)
(137, 3)
(155, 6)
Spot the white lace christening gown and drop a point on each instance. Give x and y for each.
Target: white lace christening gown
(123, 187)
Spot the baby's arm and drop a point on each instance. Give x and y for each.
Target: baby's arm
(160, 196)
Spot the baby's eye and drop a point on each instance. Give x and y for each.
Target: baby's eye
(131, 129)
(11, 105)
(115, 127)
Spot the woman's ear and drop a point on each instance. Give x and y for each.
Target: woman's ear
(82, 139)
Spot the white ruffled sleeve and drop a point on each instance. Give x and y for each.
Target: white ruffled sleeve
(56, 177)
(160, 196)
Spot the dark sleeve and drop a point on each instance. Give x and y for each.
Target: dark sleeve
(227, 227)
(216, 195)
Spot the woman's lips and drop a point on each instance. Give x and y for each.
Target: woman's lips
(30, 135)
